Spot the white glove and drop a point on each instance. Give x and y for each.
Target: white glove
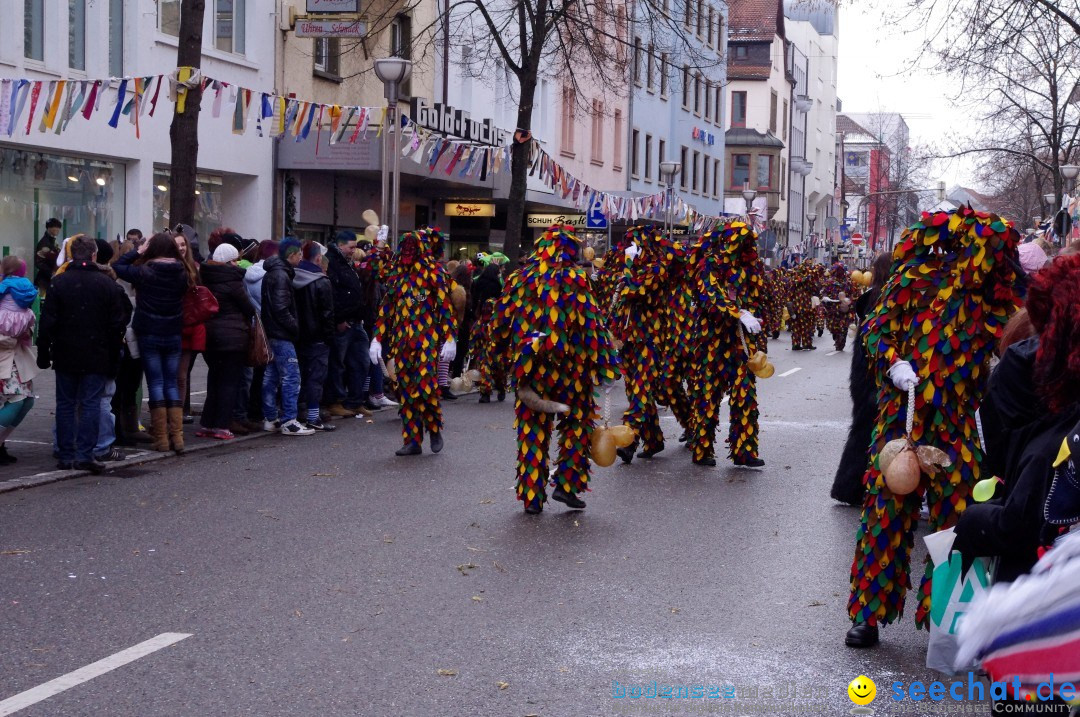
(449, 351)
(903, 375)
(632, 252)
(375, 351)
(384, 231)
(750, 322)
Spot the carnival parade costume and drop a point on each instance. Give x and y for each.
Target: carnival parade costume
(838, 296)
(492, 372)
(951, 291)
(727, 279)
(772, 304)
(548, 326)
(804, 283)
(416, 326)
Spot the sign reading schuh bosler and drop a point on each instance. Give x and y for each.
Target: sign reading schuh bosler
(444, 119)
(544, 221)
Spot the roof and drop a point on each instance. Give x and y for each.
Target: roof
(748, 137)
(748, 72)
(750, 20)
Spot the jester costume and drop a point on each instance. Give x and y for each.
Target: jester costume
(772, 303)
(951, 292)
(548, 326)
(637, 318)
(838, 313)
(492, 373)
(678, 326)
(415, 321)
(804, 283)
(726, 279)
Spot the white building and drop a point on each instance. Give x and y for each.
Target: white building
(99, 180)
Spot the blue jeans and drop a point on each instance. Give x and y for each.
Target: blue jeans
(78, 414)
(314, 360)
(161, 360)
(243, 395)
(284, 373)
(107, 427)
(349, 364)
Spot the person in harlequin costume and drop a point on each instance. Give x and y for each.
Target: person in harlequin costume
(637, 317)
(804, 283)
(416, 323)
(951, 290)
(492, 373)
(772, 303)
(676, 365)
(550, 329)
(838, 300)
(726, 279)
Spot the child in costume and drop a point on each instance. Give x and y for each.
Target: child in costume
(492, 372)
(950, 293)
(838, 300)
(727, 278)
(550, 328)
(416, 321)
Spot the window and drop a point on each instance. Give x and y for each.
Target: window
(34, 30)
(663, 75)
(697, 94)
(327, 52)
(709, 28)
(740, 170)
(688, 13)
(617, 162)
(401, 45)
(718, 116)
(772, 113)
(785, 128)
(229, 21)
(597, 132)
(637, 60)
(764, 171)
(634, 152)
(719, 29)
(683, 167)
(741, 52)
(648, 158)
(620, 32)
(77, 34)
(116, 38)
(661, 151)
(700, 17)
(686, 86)
(708, 100)
(738, 109)
(650, 77)
(568, 121)
(168, 17)
(783, 176)
(694, 172)
(716, 178)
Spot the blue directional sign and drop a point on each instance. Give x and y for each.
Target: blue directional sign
(595, 218)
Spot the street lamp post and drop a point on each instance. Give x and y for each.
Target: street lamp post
(392, 71)
(748, 196)
(811, 217)
(668, 170)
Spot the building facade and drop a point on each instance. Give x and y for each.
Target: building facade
(877, 176)
(101, 180)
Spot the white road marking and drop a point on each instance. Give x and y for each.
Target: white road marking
(833, 353)
(84, 674)
(785, 374)
(29, 443)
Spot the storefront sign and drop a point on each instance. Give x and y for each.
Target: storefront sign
(704, 137)
(461, 209)
(543, 221)
(331, 28)
(333, 6)
(444, 119)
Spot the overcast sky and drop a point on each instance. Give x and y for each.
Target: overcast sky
(875, 76)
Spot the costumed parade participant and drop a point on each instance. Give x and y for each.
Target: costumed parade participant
(548, 326)
(951, 291)
(676, 366)
(726, 277)
(838, 301)
(416, 322)
(772, 303)
(637, 317)
(804, 283)
(490, 371)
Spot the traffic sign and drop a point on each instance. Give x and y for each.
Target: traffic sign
(595, 219)
(856, 238)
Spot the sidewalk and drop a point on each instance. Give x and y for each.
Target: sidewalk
(32, 441)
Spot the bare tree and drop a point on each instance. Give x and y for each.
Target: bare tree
(184, 131)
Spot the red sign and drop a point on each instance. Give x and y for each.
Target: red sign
(856, 239)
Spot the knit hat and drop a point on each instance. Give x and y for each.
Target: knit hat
(225, 253)
(289, 245)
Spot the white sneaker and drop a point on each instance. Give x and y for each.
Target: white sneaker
(384, 402)
(295, 428)
(271, 426)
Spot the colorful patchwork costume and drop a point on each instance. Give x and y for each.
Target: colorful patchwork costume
(805, 283)
(727, 279)
(548, 326)
(952, 290)
(772, 304)
(492, 372)
(416, 321)
(838, 317)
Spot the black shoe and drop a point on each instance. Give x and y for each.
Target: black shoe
(502, 396)
(649, 454)
(810, 348)
(6, 458)
(64, 465)
(188, 420)
(776, 334)
(708, 462)
(862, 635)
(320, 426)
(684, 436)
(820, 332)
(486, 398)
(95, 467)
(532, 509)
(111, 456)
(447, 394)
(796, 348)
(750, 463)
(627, 453)
(436, 442)
(409, 449)
(571, 500)
(372, 407)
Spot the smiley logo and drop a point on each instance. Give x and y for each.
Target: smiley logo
(862, 690)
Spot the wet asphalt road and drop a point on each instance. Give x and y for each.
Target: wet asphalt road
(324, 576)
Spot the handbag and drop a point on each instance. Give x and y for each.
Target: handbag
(200, 305)
(259, 353)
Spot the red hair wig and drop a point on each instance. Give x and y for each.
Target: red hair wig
(1054, 308)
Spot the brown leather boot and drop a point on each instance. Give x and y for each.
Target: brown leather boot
(130, 418)
(159, 429)
(176, 428)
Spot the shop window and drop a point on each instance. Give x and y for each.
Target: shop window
(168, 17)
(208, 202)
(34, 30)
(740, 170)
(229, 18)
(77, 34)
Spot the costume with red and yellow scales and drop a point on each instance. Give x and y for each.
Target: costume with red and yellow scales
(838, 317)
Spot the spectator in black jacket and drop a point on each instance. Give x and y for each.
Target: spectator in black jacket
(349, 361)
(282, 327)
(315, 307)
(227, 335)
(45, 254)
(81, 335)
